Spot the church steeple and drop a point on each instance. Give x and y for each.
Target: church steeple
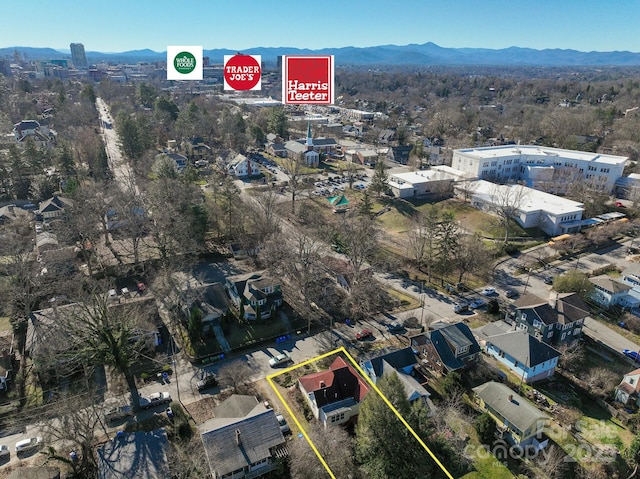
(309, 142)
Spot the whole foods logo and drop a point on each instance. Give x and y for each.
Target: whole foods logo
(307, 79)
(184, 63)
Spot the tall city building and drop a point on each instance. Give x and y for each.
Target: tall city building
(78, 57)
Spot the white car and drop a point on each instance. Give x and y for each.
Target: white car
(28, 444)
(155, 399)
(118, 413)
(279, 360)
(489, 292)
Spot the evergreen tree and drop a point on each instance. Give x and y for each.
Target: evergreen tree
(379, 182)
(366, 207)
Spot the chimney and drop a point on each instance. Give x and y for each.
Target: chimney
(238, 440)
(322, 384)
(510, 397)
(553, 299)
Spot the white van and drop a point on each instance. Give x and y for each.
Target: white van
(28, 444)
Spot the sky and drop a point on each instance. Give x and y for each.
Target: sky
(121, 25)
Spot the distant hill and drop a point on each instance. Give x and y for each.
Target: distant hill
(415, 54)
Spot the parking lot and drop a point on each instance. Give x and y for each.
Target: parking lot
(335, 184)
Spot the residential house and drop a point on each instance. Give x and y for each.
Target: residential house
(243, 167)
(386, 136)
(531, 359)
(31, 129)
(402, 362)
(212, 301)
(447, 347)
(11, 213)
(257, 293)
(243, 440)
(196, 149)
(135, 455)
(366, 156)
(608, 292)
(519, 421)
(53, 208)
(178, 161)
(334, 396)
(400, 154)
(628, 391)
(277, 149)
(557, 321)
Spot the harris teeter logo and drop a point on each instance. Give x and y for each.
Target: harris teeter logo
(184, 62)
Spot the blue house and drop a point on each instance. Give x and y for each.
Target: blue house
(402, 362)
(526, 356)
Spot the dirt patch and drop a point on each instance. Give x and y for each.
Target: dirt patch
(201, 410)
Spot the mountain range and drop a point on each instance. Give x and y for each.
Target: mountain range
(415, 54)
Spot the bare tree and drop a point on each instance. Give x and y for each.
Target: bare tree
(187, 459)
(295, 170)
(334, 445)
(237, 374)
(472, 255)
(506, 201)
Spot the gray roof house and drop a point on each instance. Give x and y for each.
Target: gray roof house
(518, 420)
(401, 362)
(243, 440)
(528, 357)
(135, 455)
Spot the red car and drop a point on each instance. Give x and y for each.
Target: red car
(364, 334)
(619, 204)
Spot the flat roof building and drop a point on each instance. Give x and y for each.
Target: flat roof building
(549, 169)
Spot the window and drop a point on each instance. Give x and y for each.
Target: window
(631, 380)
(550, 334)
(563, 336)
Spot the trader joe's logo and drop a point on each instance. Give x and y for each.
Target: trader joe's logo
(307, 79)
(242, 72)
(184, 63)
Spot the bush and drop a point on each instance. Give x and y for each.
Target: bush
(485, 426)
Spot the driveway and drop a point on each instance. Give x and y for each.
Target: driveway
(603, 334)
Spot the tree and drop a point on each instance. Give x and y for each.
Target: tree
(237, 374)
(147, 94)
(365, 208)
(195, 325)
(294, 169)
(167, 106)
(384, 446)
(277, 121)
(448, 243)
(472, 255)
(485, 426)
(506, 201)
(380, 179)
(573, 282)
(423, 238)
(632, 453)
(334, 445)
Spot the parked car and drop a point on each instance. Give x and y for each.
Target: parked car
(279, 360)
(284, 427)
(209, 381)
(460, 308)
(631, 354)
(155, 399)
(478, 303)
(619, 204)
(363, 334)
(394, 327)
(4, 452)
(512, 293)
(27, 445)
(489, 292)
(118, 413)
(547, 280)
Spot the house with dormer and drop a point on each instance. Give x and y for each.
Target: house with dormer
(447, 347)
(242, 167)
(257, 294)
(556, 321)
(628, 391)
(243, 439)
(608, 292)
(525, 355)
(53, 208)
(41, 135)
(403, 363)
(334, 396)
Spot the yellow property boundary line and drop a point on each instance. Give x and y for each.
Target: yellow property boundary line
(373, 386)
